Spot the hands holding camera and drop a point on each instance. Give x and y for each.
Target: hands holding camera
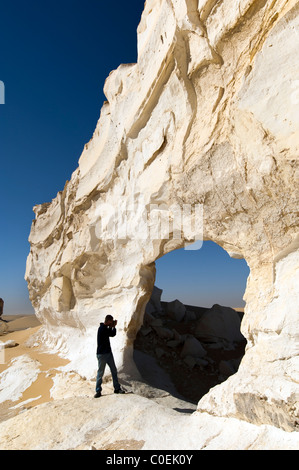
(109, 321)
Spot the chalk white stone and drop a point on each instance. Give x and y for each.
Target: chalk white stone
(21, 373)
(207, 116)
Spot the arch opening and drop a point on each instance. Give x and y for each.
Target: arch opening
(190, 340)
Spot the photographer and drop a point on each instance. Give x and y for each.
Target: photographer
(104, 354)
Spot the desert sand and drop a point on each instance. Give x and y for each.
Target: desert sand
(51, 381)
(163, 380)
(55, 408)
(19, 329)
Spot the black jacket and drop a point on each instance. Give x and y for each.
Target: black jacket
(104, 333)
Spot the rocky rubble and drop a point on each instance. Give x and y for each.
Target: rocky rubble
(196, 351)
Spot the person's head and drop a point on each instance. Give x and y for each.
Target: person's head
(109, 320)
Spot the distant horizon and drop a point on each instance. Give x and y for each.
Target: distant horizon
(162, 300)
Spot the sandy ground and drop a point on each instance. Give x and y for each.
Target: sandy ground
(19, 329)
(183, 383)
(70, 418)
(44, 389)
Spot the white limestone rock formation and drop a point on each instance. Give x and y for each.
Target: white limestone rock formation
(219, 324)
(206, 118)
(131, 422)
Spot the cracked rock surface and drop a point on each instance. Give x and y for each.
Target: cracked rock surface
(207, 117)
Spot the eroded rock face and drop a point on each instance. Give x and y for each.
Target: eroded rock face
(207, 118)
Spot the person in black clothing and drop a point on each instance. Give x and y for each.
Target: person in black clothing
(104, 354)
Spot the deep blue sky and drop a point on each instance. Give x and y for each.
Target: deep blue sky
(54, 59)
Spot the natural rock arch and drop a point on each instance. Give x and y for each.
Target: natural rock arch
(207, 116)
(183, 348)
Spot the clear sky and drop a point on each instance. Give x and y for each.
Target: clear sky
(55, 57)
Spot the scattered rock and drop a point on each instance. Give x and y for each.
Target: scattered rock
(145, 331)
(9, 344)
(189, 316)
(173, 343)
(184, 354)
(177, 335)
(159, 352)
(154, 304)
(202, 362)
(192, 347)
(148, 318)
(190, 361)
(219, 324)
(216, 345)
(176, 310)
(164, 333)
(157, 322)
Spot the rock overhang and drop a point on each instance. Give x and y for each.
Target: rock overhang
(198, 120)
